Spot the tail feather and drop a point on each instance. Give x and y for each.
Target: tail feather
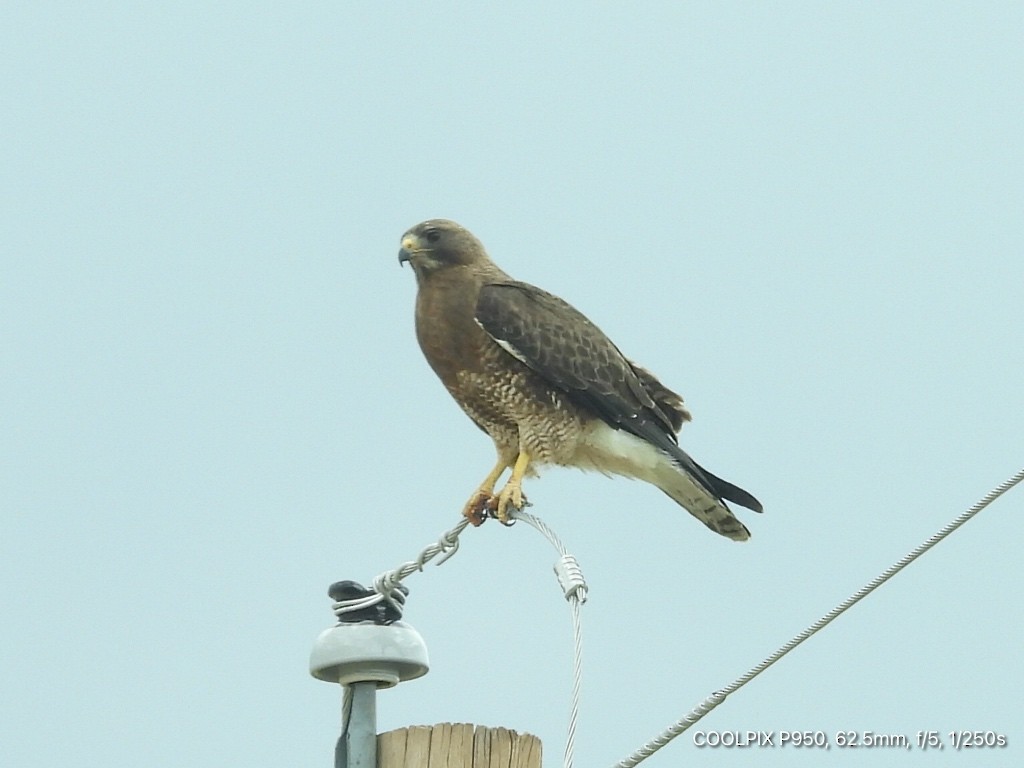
(726, 490)
(702, 494)
(695, 499)
(649, 454)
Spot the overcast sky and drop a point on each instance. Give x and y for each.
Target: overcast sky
(807, 218)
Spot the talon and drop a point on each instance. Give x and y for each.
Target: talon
(484, 503)
(512, 495)
(481, 506)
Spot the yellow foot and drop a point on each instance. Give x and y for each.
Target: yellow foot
(480, 506)
(511, 494)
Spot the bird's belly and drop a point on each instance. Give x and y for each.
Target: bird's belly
(522, 413)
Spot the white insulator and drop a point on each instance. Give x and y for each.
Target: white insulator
(365, 652)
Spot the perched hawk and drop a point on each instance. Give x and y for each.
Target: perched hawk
(547, 385)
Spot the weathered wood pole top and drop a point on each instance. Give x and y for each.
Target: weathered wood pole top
(457, 745)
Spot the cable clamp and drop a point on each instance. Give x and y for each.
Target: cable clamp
(570, 578)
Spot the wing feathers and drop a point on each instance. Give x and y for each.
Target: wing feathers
(560, 344)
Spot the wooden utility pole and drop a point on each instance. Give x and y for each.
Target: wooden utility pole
(457, 745)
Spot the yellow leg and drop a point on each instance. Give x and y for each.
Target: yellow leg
(512, 493)
(492, 478)
(483, 501)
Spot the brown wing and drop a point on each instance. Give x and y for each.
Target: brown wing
(668, 401)
(560, 344)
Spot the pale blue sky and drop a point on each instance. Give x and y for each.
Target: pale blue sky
(806, 217)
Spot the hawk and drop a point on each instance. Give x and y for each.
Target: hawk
(547, 385)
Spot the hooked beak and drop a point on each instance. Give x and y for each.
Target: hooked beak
(410, 245)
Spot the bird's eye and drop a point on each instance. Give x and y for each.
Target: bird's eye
(433, 235)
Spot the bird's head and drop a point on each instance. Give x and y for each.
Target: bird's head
(433, 245)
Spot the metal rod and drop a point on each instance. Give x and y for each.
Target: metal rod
(360, 737)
